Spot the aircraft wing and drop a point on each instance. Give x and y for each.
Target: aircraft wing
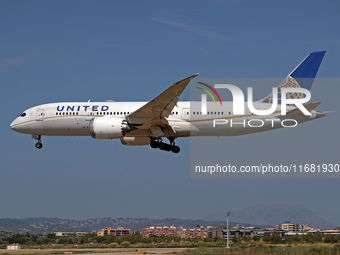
(160, 107)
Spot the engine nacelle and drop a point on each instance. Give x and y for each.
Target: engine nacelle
(135, 141)
(108, 128)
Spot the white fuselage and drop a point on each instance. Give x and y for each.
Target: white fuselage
(72, 119)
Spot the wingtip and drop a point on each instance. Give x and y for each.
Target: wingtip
(319, 52)
(193, 76)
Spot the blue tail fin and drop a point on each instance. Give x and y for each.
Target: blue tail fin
(305, 73)
(301, 77)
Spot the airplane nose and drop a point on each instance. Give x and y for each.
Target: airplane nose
(15, 125)
(12, 126)
(20, 126)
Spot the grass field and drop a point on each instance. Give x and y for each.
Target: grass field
(270, 250)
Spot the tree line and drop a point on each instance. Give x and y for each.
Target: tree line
(135, 238)
(276, 238)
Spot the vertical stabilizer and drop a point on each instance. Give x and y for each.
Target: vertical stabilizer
(301, 77)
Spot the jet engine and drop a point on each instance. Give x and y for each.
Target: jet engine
(109, 128)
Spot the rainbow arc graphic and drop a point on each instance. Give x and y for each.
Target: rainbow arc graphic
(209, 93)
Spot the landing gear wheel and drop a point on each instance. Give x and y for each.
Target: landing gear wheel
(167, 147)
(158, 143)
(154, 144)
(175, 149)
(162, 146)
(38, 145)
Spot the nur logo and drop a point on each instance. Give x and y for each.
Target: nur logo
(239, 102)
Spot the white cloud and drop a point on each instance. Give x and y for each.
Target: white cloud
(198, 30)
(11, 62)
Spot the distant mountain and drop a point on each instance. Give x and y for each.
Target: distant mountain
(258, 216)
(275, 214)
(48, 225)
(14, 225)
(39, 220)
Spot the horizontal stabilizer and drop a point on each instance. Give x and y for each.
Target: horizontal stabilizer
(296, 112)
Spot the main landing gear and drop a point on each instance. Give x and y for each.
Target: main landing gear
(164, 146)
(38, 145)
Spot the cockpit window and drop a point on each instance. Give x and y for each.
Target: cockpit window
(23, 114)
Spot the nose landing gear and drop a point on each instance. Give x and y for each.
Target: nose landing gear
(38, 145)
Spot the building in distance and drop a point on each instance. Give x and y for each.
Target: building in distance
(70, 233)
(114, 231)
(289, 226)
(187, 233)
(13, 247)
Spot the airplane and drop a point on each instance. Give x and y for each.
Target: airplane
(147, 123)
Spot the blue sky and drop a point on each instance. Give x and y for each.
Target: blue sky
(53, 51)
